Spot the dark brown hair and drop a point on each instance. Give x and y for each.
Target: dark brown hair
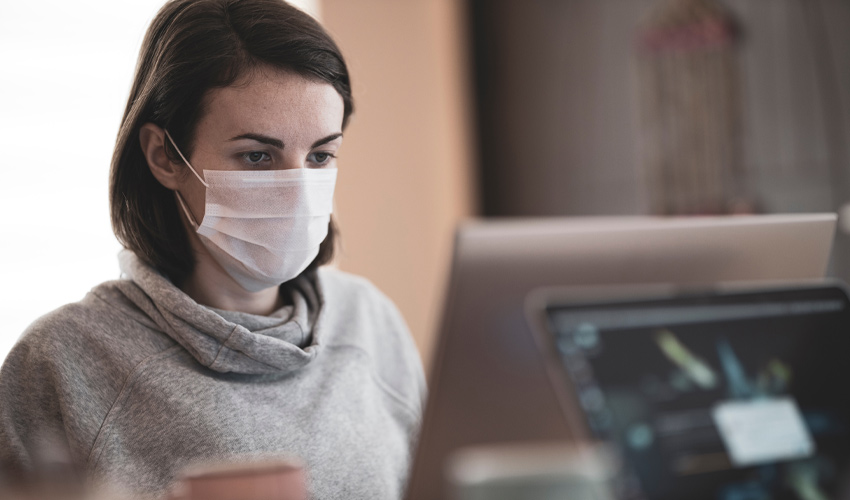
(191, 47)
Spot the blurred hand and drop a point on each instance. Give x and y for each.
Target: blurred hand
(266, 480)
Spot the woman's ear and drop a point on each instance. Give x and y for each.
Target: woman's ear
(152, 138)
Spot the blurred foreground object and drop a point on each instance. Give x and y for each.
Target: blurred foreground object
(688, 91)
(52, 475)
(279, 479)
(532, 472)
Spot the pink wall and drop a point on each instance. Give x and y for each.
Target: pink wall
(406, 164)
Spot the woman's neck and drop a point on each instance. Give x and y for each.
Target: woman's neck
(210, 285)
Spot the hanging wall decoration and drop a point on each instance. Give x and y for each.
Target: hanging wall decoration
(689, 109)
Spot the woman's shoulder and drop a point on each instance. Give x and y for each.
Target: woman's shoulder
(99, 328)
(63, 331)
(356, 301)
(335, 280)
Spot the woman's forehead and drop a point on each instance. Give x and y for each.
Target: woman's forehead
(274, 102)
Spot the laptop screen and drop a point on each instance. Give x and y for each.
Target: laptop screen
(732, 397)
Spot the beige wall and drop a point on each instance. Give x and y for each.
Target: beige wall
(406, 164)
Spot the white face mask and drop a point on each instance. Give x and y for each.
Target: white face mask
(264, 227)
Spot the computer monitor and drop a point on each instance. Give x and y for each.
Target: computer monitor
(709, 395)
(487, 382)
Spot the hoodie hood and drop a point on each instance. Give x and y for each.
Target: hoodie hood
(228, 341)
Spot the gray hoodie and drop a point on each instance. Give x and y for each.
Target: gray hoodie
(141, 381)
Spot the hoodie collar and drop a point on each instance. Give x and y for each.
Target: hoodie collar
(229, 341)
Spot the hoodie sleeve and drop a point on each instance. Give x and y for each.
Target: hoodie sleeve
(56, 388)
(31, 427)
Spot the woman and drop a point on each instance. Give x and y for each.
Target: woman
(225, 339)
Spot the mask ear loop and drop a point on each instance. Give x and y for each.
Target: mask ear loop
(186, 211)
(184, 159)
(179, 197)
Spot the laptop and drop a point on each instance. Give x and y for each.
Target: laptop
(487, 383)
(707, 395)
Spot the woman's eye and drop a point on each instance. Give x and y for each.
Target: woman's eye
(256, 156)
(322, 158)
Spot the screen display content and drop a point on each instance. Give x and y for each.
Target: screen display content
(728, 397)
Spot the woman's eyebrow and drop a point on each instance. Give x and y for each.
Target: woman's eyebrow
(326, 140)
(264, 139)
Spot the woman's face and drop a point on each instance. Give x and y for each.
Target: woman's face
(273, 120)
